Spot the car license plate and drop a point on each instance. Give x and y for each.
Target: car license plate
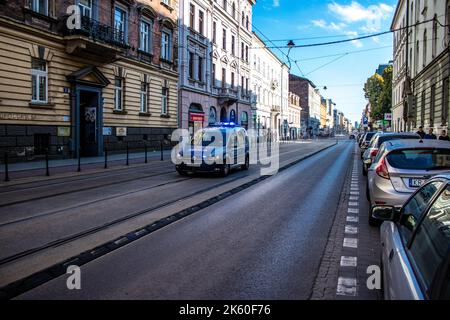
(415, 183)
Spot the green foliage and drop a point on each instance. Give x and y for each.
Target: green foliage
(378, 90)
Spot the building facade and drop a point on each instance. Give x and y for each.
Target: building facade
(310, 100)
(270, 90)
(421, 87)
(214, 42)
(294, 116)
(77, 79)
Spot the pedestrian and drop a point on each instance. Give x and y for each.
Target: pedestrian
(421, 133)
(444, 136)
(430, 135)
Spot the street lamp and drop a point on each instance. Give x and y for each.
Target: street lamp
(290, 45)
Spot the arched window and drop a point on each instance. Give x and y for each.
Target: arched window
(244, 119)
(212, 115)
(424, 62)
(223, 114)
(232, 116)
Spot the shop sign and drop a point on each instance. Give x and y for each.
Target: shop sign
(63, 131)
(121, 131)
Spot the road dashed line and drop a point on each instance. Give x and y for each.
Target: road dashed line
(348, 286)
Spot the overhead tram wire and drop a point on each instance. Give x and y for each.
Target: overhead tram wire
(353, 39)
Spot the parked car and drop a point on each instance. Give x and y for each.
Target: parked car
(401, 167)
(365, 141)
(415, 244)
(205, 153)
(377, 140)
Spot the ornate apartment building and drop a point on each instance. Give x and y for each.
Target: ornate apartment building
(270, 88)
(215, 38)
(421, 65)
(294, 116)
(81, 75)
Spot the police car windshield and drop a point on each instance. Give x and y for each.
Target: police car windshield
(206, 137)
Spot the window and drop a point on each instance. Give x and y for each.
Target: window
(212, 115)
(435, 37)
(242, 18)
(200, 22)
(214, 35)
(422, 109)
(445, 101)
(225, 5)
(40, 6)
(191, 65)
(41, 143)
(224, 39)
(233, 45)
(144, 97)
(200, 69)
(85, 8)
(432, 239)
(118, 94)
(232, 80)
(120, 21)
(424, 57)
(192, 16)
(242, 50)
(39, 81)
(233, 116)
(246, 53)
(413, 210)
(213, 80)
(233, 13)
(145, 36)
(224, 77)
(247, 23)
(164, 100)
(166, 45)
(432, 104)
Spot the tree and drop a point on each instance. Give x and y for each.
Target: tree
(378, 90)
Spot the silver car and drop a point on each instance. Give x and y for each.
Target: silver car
(375, 143)
(401, 167)
(415, 241)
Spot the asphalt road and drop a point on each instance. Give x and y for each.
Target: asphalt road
(265, 242)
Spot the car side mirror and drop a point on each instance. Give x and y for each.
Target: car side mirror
(384, 213)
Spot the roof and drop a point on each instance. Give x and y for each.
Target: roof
(401, 144)
(295, 77)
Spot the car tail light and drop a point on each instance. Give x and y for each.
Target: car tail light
(373, 153)
(382, 170)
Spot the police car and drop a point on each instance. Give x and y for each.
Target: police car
(217, 148)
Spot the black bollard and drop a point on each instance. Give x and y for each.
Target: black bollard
(47, 170)
(128, 155)
(106, 158)
(79, 161)
(145, 150)
(162, 154)
(6, 167)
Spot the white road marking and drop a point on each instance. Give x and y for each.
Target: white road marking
(346, 287)
(353, 204)
(355, 193)
(351, 243)
(353, 210)
(352, 219)
(349, 261)
(351, 230)
(353, 198)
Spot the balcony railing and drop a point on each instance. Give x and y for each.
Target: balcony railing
(97, 31)
(228, 92)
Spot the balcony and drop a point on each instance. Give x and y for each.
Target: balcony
(94, 40)
(227, 96)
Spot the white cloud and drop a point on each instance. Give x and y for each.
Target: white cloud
(276, 3)
(355, 12)
(354, 34)
(331, 26)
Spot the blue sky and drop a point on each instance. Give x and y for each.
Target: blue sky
(343, 75)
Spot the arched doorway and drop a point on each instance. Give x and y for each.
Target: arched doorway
(212, 116)
(223, 114)
(233, 116)
(244, 120)
(196, 117)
